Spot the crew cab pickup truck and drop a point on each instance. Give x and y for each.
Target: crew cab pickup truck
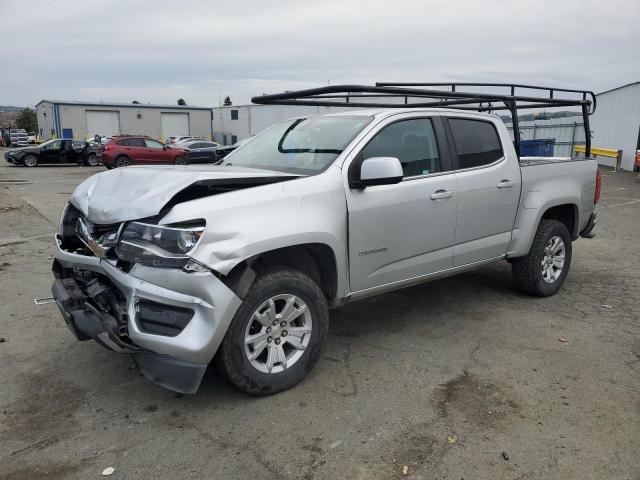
(239, 263)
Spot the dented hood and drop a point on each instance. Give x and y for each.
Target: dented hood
(132, 193)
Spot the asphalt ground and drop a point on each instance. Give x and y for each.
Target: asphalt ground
(441, 378)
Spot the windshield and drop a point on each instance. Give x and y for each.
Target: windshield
(304, 145)
(48, 142)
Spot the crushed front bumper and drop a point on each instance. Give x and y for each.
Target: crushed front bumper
(172, 324)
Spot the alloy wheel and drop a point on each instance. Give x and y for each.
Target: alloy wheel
(278, 333)
(553, 259)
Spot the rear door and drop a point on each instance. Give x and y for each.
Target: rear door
(489, 184)
(404, 231)
(136, 148)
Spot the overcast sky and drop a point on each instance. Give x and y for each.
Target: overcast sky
(155, 52)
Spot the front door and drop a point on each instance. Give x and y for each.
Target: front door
(156, 153)
(52, 152)
(404, 231)
(489, 185)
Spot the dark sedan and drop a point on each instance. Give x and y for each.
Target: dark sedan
(227, 149)
(201, 151)
(54, 151)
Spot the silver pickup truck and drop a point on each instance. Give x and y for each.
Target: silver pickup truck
(239, 263)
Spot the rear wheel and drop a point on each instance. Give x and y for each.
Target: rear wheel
(277, 334)
(123, 161)
(30, 161)
(181, 160)
(543, 271)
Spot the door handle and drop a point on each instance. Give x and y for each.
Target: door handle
(441, 195)
(506, 184)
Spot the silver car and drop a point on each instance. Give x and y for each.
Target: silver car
(239, 263)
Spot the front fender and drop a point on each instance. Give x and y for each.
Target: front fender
(245, 223)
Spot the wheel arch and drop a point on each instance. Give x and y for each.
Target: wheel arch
(565, 211)
(316, 260)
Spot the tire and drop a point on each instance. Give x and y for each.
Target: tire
(539, 273)
(91, 161)
(122, 161)
(30, 161)
(279, 284)
(181, 160)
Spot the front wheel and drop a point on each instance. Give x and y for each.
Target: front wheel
(543, 271)
(181, 160)
(277, 334)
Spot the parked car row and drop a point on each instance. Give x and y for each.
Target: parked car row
(121, 151)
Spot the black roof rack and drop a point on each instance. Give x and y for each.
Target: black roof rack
(442, 95)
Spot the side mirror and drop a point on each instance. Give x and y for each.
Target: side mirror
(164, 147)
(380, 171)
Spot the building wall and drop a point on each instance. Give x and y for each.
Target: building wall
(616, 122)
(149, 123)
(252, 119)
(44, 114)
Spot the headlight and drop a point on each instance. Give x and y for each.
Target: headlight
(159, 245)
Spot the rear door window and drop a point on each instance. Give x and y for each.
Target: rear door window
(477, 142)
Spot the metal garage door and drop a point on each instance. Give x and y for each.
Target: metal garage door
(103, 122)
(174, 124)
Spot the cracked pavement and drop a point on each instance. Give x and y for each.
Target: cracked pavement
(466, 356)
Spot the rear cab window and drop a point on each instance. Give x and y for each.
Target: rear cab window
(476, 142)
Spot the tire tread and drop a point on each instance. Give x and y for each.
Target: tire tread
(225, 356)
(526, 270)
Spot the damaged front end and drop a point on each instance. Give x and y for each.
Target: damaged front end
(92, 308)
(132, 288)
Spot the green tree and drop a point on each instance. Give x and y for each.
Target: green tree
(136, 102)
(27, 120)
(227, 101)
(181, 101)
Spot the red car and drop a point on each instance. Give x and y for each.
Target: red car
(139, 150)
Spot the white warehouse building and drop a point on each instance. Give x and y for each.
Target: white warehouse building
(616, 122)
(61, 119)
(614, 125)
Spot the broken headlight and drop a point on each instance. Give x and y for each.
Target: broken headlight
(159, 245)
